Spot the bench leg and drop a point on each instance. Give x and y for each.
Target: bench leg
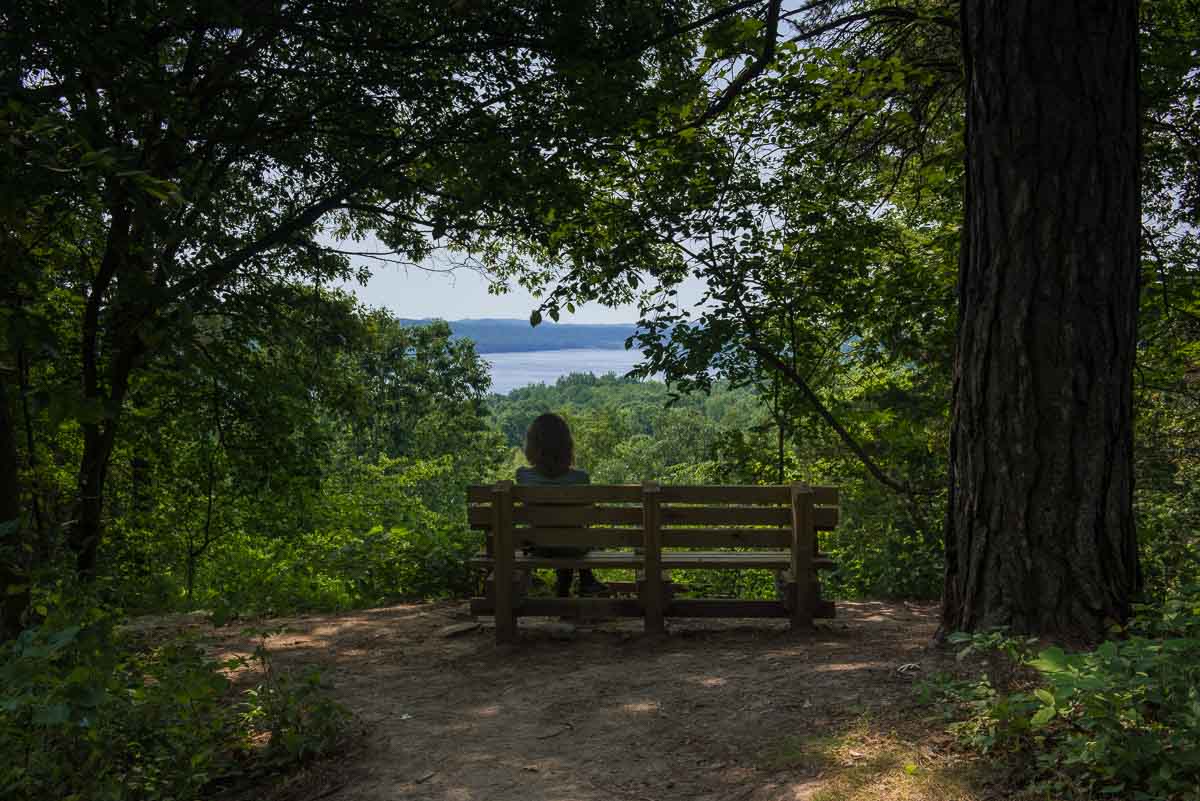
(803, 603)
(651, 591)
(506, 619)
(802, 600)
(502, 526)
(804, 539)
(653, 595)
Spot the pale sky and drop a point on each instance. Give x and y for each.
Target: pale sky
(464, 295)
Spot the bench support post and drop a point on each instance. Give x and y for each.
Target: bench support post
(652, 595)
(804, 538)
(502, 531)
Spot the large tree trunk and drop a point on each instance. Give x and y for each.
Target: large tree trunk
(1040, 533)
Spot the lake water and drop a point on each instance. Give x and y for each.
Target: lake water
(512, 370)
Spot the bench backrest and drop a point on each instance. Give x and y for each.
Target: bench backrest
(614, 515)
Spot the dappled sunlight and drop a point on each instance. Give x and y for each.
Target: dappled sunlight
(842, 667)
(456, 717)
(879, 611)
(640, 707)
(799, 652)
(340, 639)
(866, 763)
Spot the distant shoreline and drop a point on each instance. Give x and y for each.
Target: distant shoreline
(511, 370)
(518, 336)
(542, 349)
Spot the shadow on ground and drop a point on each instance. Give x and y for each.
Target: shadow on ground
(740, 710)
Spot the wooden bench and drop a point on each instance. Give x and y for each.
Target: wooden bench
(774, 527)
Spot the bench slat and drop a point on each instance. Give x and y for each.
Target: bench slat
(726, 515)
(733, 560)
(586, 537)
(548, 515)
(632, 493)
(597, 559)
(574, 493)
(727, 538)
(674, 560)
(826, 518)
(480, 517)
(741, 494)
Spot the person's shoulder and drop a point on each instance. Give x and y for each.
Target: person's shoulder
(533, 476)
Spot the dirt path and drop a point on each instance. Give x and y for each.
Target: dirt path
(722, 710)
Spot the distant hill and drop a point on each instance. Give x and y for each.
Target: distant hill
(508, 336)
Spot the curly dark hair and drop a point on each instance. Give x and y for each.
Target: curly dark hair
(549, 446)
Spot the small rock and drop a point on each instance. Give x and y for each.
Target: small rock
(455, 629)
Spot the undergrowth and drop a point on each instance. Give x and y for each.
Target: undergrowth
(88, 713)
(1121, 721)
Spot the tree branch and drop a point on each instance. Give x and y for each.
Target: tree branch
(783, 368)
(747, 73)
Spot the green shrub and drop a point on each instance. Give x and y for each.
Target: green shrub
(86, 715)
(1120, 721)
(296, 711)
(881, 554)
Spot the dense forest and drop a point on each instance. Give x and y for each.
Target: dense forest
(950, 260)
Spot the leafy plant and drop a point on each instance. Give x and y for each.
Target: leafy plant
(296, 711)
(1122, 720)
(86, 712)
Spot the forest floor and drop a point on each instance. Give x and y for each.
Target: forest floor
(734, 710)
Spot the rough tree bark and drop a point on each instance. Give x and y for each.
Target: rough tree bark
(1040, 533)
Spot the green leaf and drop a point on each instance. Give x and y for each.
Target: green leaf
(1043, 716)
(1045, 696)
(1051, 660)
(535, 317)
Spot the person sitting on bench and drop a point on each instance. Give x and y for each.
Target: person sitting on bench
(550, 450)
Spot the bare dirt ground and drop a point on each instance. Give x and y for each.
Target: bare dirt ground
(735, 710)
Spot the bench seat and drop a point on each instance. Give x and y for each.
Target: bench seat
(652, 529)
(671, 560)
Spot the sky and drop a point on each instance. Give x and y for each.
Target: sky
(462, 295)
(415, 293)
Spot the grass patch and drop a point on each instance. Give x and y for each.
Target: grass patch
(863, 765)
(808, 754)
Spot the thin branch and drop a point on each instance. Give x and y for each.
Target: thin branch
(748, 73)
(782, 367)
